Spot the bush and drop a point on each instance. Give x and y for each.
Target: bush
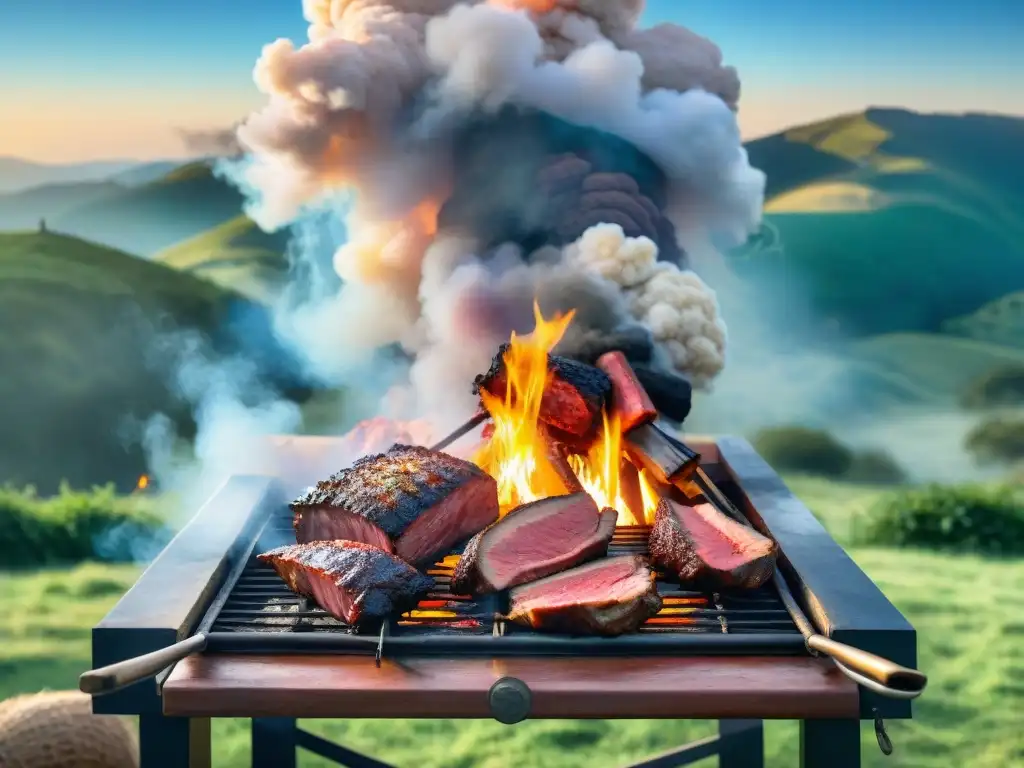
(77, 525)
(975, 519)
(875, 467)
(997, 439)
(996, 389)
(803, 450)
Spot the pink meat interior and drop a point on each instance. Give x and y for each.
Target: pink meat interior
(332, 523)
(319, 586)
(332, 598)
(609, 580)
(724, 543)
(551, 533)
(463, 513)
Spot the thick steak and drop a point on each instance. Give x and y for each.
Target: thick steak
(609, 596)
(411, 501)
(352, 581)
(532, 541)
(573, 397)
(703, 546)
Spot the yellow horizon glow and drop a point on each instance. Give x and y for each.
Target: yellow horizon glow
(84, 127)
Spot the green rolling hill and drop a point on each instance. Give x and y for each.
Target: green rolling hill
(890, 221)
(23, 209)
(78, 323)
(999, 322)
(148, 218)
(237, 254)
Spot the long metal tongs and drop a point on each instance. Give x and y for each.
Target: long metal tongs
(879, 675)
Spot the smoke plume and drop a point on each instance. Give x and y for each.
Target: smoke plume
(212, 142)
(499, 152)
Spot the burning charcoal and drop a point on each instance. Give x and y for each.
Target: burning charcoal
(353, 582)
(703, 546)
(610, 596)
(535, 540)
(587, 345)
(572, 401)
(412, 501)
(671, 393)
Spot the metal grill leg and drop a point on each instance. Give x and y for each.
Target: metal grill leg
(741, 745)
(830, 744)
(273, 742)
(174, 742)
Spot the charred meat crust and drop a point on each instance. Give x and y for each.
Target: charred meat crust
(392, 489)
(674, 547)
(591, 385)
(378, 584)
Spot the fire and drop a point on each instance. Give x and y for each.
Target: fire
(516, 454)
(143, 483)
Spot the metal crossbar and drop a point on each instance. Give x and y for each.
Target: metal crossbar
(738, 744)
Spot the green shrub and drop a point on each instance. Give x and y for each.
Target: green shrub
(997, 439)
(77, 525)
(978, 519)
(996, 389)
(803, 450)
(874, 467)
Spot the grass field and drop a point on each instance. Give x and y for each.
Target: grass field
(966, 610)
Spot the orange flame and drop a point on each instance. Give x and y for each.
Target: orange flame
(143, 483)
(516, 453)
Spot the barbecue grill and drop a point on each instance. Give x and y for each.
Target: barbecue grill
(209, 631)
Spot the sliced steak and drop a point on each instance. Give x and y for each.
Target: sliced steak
(704, 546)
(572, 400)
(609, 596)
(352, 581)
(532, 541)
(411, 501)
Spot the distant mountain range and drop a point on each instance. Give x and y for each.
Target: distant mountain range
(17, 174)
(860, 208)
(902, 230)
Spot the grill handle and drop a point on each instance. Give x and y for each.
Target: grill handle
(114, 677)
(887, 674)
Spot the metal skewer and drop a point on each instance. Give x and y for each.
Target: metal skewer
(465, 429)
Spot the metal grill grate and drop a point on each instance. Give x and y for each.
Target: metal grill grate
(260, 602)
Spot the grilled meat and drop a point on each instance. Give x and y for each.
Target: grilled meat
(411, 501)
(572, 400)
(703, 546)
(533, 541)
(610, 596)
(352, 581)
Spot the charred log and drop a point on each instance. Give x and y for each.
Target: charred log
(572, 401)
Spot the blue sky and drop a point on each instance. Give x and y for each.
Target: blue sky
(88, 79)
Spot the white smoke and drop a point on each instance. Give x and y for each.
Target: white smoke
(678, 307)
(370, 103)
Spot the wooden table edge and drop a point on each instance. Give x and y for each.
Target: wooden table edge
(332, 686)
